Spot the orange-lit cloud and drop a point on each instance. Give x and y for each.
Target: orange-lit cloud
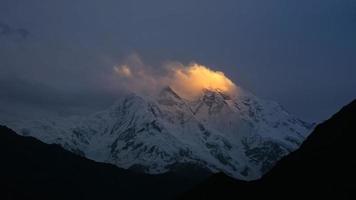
(188, 81)
(123, 70)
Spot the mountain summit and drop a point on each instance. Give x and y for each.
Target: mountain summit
(242, 136)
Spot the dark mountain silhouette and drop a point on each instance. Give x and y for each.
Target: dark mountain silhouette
(323, 168)
(30, 169)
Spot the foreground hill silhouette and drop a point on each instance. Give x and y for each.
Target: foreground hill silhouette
(323, 168)
(30, 169)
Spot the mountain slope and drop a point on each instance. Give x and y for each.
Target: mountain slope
(323, 168)
(31, 169)
(241, 136)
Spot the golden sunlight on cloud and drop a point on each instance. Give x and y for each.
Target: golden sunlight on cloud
(190, 81)
(123, 70)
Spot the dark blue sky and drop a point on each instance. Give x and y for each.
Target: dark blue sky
(300, 53)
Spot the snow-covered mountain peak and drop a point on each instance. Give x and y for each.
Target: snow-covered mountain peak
(241, 135)
(169, 97)
(211, 96)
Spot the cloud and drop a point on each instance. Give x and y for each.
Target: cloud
(27, 97)
(123, 70)
(190, 80)
(7, 30)
(187, 80)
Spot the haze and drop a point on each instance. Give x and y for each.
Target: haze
(59, 55)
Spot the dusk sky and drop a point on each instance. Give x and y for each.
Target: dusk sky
(59, 55)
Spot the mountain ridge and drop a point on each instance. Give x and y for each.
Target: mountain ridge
(242, 136)
(322, 168)
(31, 169)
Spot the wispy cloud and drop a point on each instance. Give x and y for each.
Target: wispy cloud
(9, 31)
(188, 80)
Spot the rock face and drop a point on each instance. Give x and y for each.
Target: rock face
(322, 168)
(242, 136)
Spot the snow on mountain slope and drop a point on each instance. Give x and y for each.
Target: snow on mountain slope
(242, 136)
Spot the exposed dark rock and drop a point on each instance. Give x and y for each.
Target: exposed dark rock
(323, 168)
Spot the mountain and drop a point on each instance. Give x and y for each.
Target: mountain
(31, 169)
(323, 168)
(242, 135)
